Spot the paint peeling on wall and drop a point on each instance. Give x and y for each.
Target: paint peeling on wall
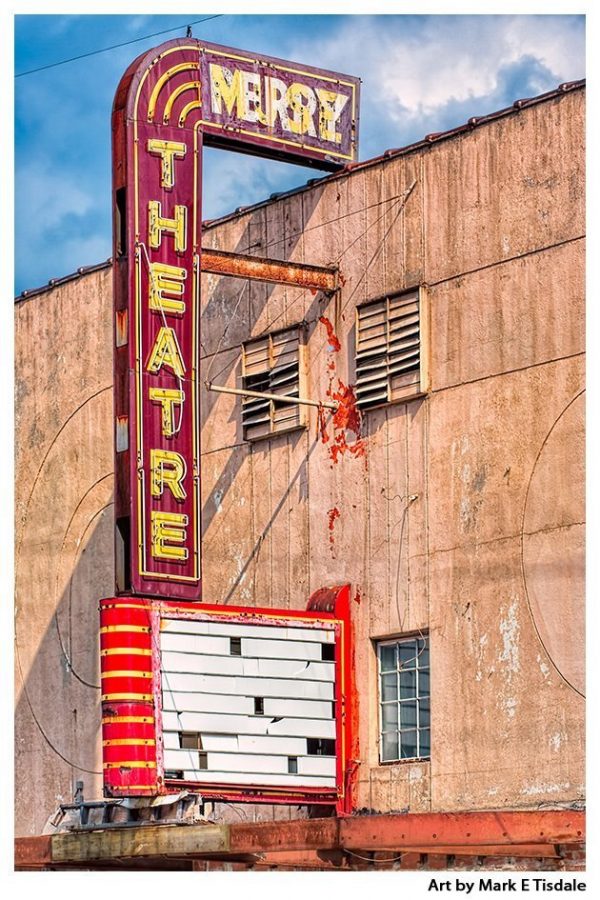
(509, 630)
(346, 418)
(483, 642)
(545, 788)
(334, 342)
(544, 669)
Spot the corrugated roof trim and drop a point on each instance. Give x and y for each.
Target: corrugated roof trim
(56, 282)
(427, 141)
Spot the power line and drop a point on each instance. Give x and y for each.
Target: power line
(115, 46)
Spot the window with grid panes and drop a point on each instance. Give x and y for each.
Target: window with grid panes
(272, 364)
(388, 349)
(404, 714)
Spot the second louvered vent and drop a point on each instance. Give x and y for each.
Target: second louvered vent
(388, 351)
(271, 364)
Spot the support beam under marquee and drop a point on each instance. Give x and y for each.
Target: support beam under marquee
(495, 833)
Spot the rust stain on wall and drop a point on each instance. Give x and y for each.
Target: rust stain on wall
(332, 515)
(334, 341)
(346, 418)
(322, 425)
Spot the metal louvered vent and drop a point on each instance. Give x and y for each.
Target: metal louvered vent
(271, 364)
(388, 357)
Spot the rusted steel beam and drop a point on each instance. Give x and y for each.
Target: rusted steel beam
(427, 830)
(530, 851)
(500, 833)
(301, 834)
(238, 265)
(33, 852)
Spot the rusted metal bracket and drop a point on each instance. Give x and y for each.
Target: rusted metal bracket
(276, 271)
(264, 395)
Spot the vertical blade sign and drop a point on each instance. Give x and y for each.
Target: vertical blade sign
(157, 236)
(170, 101)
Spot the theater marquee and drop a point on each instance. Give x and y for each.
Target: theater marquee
(169, 103)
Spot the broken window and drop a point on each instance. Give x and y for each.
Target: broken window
(190, 740)
(389, 362)
(320, 746)
(272, 364)
(328, 652)
(404, 698)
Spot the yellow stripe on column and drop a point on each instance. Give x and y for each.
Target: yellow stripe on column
(131, 651)
(107, 629)
(130, 742)
(130, 764)
(133, 787)
(127, 697)
(125, 673)
(140, 720)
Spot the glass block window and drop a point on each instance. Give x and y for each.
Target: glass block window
(388, 350)
(272, 364)
(404, 699)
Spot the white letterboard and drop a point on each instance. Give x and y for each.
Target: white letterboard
(248, 704)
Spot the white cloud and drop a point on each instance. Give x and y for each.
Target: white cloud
(417, 68)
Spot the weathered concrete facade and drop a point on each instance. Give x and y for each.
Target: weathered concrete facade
(488, 557)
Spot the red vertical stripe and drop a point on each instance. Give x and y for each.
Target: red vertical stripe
(127, 698)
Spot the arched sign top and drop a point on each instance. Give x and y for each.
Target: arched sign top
(244, 101)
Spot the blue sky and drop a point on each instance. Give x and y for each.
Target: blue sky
(420, 74)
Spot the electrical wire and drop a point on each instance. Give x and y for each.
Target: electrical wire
(63, 62)
(374, 861)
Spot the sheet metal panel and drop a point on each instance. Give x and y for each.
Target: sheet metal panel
(191, 701)
(273, 632)
(238, 763)
(196, 721)
(316, 765)
(174, 661)
(242, 743)
(228, 705)
(288, 649)
(284, 648)
(248, 686)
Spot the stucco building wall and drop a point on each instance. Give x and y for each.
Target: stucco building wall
(487, 558)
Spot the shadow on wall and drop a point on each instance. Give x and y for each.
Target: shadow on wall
(58, 713)
(58, 716)
(236, 307)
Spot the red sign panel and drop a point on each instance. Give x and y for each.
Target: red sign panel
(280, 109)
(237, 703)
(156, 353)
(169, 102)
